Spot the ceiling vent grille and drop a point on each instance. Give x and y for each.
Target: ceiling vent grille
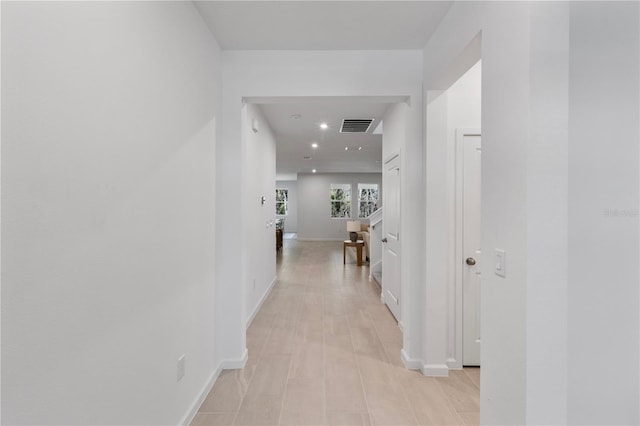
(356, 125)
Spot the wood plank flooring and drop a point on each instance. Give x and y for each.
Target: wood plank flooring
(323, 350)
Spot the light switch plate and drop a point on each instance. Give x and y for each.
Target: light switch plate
(500, 260)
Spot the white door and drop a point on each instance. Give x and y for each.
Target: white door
(471, 198)
(391, 233)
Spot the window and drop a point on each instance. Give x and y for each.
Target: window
(367, 199)
(282, 196)
(340, 200)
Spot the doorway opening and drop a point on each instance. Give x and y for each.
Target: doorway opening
(453, 163)
(464, 138)
(309, 151)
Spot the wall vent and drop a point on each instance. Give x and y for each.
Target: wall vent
(356, 125)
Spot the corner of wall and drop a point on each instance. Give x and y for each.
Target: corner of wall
(193, 410)
(261, 302)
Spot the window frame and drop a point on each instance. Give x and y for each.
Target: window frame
(347, 200)
(374, 201)
(285, 202)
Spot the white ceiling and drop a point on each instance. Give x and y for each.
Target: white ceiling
(295, 136)
(322, 25)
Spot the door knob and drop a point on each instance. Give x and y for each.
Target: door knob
(384, 240)
(471, 261)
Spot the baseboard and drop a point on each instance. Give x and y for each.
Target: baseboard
(454, 364)
(401, 326)
(259, 305)
(235, 364)
(375, 271)
(231, 364)
(410, 363)
(435, 370)
(191, 414)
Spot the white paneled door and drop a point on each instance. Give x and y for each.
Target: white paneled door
(469, 143)
(391, 232)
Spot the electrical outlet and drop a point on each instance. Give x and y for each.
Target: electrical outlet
(181, 366)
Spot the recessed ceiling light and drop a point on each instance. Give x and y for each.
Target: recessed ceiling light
(346, 148)
(324, 126)
(353, 148)
(313, 171)
(314, 145)
(359, 148)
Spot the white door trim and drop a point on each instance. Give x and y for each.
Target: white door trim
(396, 306)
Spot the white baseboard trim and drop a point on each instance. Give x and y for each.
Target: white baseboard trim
(230, 364)
(435, 370)
(262, 299)
(235, 364)
(191, 414)
(454, 364)
(374, 269)
(410, 363)
(401, 325)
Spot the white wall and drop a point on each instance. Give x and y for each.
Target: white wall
(109, 124)
(459, 107)
(291, 219)
(315, 221)
(559, 123)
(271, 74)
(261, 237)
(547, 194)
(399, 128)
(505, 108)
(439, 318)
(604, 102)
(464, 103)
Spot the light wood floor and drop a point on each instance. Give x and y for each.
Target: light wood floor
(323, 350)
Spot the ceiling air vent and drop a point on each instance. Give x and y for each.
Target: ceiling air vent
(356, 125)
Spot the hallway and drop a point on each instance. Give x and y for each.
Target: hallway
(324, 350)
